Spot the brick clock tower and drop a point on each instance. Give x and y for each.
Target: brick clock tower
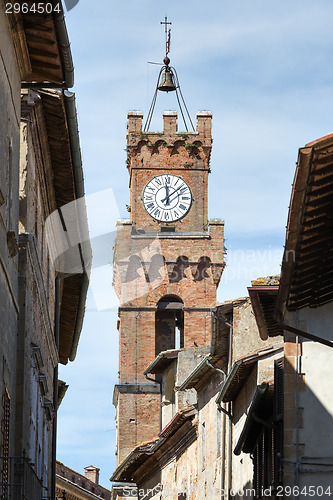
(168, 262)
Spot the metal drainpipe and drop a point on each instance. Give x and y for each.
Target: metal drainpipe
(297, 404)
(228, 413)
(223, 430)
(230, 420)
(157, 382)
(55, 383)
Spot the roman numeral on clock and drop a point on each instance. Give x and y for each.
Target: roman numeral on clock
(167, 198)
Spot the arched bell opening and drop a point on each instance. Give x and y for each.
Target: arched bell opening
(169, 324)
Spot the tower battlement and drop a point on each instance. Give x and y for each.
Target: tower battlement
(170, 132)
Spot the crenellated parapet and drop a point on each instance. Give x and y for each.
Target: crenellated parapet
(191, 149)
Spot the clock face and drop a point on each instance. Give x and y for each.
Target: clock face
(167, 198)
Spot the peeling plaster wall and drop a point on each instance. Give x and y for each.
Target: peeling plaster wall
(242, 465)
(209, 454)
(246, 338)
(10, 82)
(308, 409)
(36, 325)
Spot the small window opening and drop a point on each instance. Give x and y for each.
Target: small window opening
(169, 324)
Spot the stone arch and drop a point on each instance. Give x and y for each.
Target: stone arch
(200, 274)
(141, 145)
(158, 145)
(177, 271)
(156, 268)
(169, 323)
(195, 149)
(132, 271)
(177, 146)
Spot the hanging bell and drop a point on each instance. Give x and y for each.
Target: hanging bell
(166, 84)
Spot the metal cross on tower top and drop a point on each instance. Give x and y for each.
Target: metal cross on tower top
(167, 35)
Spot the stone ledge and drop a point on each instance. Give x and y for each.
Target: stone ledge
(181, 235)
(139, 388)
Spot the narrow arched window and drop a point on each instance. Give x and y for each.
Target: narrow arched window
(169, 324)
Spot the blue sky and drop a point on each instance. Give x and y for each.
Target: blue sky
(265, 71)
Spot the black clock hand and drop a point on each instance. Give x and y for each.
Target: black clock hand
(167, 197)
(167, 193)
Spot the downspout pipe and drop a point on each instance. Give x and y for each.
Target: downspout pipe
(229, 410)
(64, 44)
(224, 410)
(55, 383)
(73, 126)
(219, 405)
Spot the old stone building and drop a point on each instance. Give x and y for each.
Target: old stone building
(303, 307)
(71, 485)
(195, 455)
(43, 284)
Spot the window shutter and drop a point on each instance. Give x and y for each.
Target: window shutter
(278, 389)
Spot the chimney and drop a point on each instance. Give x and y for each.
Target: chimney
(92, 473)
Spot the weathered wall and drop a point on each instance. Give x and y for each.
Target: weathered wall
(138, 416)
(308, 402)
(209, 453)
(35, 372)
(10, 82)
(241, 465)
(246, 338)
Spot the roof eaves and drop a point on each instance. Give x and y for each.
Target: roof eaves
(293, 227)
(149, 448)
(85, 247)
(249, 359)
(228, 381)
(64, 51)
(176, 422)
(201, 368)
(264, 312)
(162, 356)
(251, 425)
(64, 46)
(131, 458)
